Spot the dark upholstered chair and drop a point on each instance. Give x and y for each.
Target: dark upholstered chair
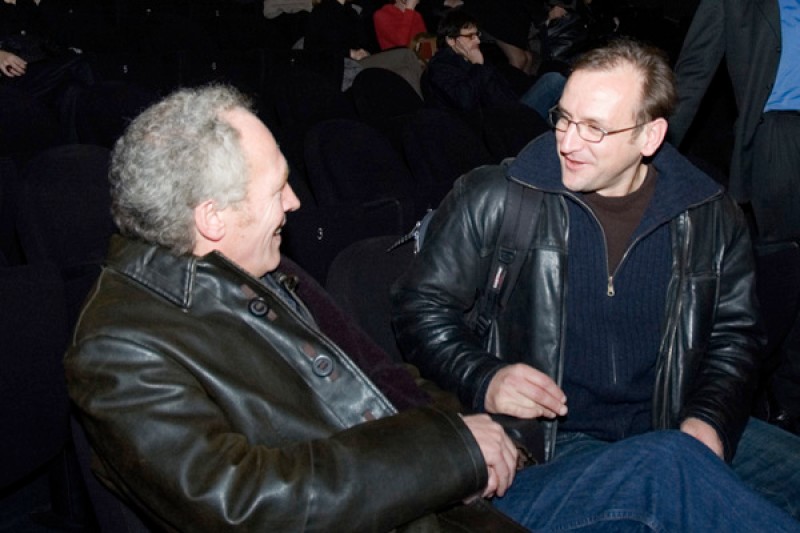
(379, 94)
(359, 279)
(507, 130)
(360, 187)
(111, 514)
(33, 399)
(63, 215)
(439, 146)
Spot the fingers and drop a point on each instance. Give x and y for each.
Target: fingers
(705, 433)
(476, 56)
(460, 50)
(498, 451)
(522, 391)
(12, 65)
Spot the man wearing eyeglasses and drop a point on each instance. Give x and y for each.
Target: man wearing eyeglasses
(635, 308)
(456, 76)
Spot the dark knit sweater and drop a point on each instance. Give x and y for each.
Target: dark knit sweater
(612, 341)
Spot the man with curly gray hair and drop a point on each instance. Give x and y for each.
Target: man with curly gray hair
(220, 393)
(171, 160)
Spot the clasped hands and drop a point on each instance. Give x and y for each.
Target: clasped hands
(522, 391)
(516, 390)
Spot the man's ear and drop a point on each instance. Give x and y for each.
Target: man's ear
(450, 41)
(654, 133)
(209, 222)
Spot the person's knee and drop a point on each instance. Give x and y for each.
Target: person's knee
(670, 449)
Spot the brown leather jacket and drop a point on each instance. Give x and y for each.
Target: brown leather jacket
(213, 404)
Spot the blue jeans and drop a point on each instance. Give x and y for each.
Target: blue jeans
(658, 481)
(545, 93)
(768, 460)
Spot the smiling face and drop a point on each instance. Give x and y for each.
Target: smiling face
(608, 99)
(252, 228)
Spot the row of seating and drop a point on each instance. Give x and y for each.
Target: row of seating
(55, 228)
(374, 163)
(365, 163)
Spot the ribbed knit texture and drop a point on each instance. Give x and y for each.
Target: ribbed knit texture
(612, 341)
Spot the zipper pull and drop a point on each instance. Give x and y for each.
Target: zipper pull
(610, 290)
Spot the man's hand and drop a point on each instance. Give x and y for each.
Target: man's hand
(473, 55)
(556, 12)
(706, 434)
(522, 391)
(12, 65)
(498, 451)
(358, 53)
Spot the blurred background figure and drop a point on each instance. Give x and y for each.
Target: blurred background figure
(759, 41)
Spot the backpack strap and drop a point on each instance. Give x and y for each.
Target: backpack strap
(522, 207)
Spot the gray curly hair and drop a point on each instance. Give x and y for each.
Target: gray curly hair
(177, 154)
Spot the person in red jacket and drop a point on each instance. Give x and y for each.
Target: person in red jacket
(398, 23)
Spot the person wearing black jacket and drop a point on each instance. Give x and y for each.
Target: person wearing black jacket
(33, 63)
(458, 78)
(221, 390)
(759, 43)
(635, 309)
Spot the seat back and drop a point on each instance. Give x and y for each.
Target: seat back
(303, 96)
(63, 206)
(33, 398)
(359, 279)
(351, 163)
(111, 514)
(63, 215)
(506, 130)
(360, 187)
(379, 93)
(439, 146)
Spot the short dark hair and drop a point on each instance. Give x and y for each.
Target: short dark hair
(659, 95)
(451, 24)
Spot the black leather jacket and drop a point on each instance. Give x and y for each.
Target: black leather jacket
(707, 361)
(214, 405)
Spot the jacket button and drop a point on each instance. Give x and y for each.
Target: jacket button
(322, 365)
(258, 307)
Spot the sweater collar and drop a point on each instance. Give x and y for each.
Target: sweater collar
(680, 184)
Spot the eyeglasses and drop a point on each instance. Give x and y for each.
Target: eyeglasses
(587, 132)
(470, 36)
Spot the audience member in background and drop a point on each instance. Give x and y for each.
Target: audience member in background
(509, 23)
(216, 397)
(32, 62)
(569, 28)
(760, 42)
(292, 15)
(458, 78)
(398, 23)
(336, 29)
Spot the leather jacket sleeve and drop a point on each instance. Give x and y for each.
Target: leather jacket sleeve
(431, 298)
(720, 343)
(167, 447)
